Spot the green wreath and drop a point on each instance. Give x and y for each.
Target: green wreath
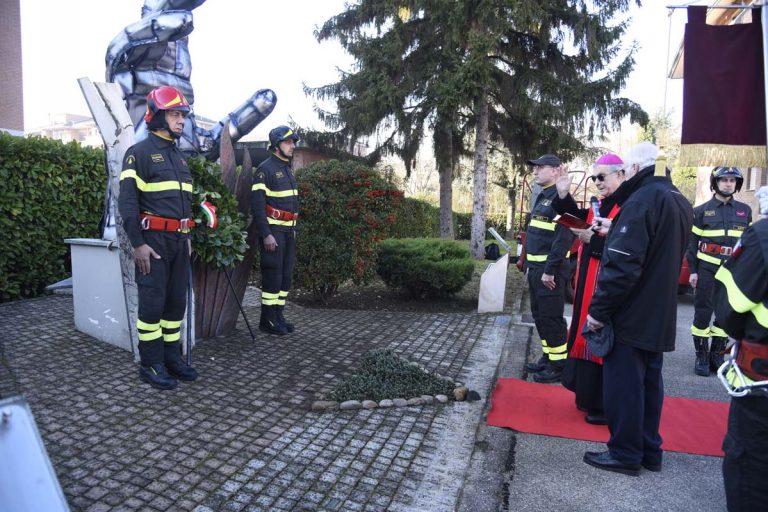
(225, 246)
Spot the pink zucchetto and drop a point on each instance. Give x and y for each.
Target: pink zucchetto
(609, 159)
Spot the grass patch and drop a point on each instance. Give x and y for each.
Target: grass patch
(383, 374)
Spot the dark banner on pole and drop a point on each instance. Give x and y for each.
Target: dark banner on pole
(723, 93)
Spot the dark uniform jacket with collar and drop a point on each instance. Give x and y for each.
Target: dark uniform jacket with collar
(716, 222)
(155, 180)
(637, 286)
(741, 296)
(546, 242)
(274, 184)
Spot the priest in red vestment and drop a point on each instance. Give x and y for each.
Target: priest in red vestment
(583, 373)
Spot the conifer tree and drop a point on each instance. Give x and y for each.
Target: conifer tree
(548, 71)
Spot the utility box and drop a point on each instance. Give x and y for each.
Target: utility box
(97, 291)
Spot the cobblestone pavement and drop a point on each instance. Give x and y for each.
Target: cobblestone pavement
(242, 437)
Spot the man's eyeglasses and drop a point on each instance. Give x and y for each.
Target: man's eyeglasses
(601, 177)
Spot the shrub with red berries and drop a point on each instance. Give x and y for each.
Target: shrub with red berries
(346, 208)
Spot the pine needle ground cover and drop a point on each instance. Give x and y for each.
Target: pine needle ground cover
(383, 374)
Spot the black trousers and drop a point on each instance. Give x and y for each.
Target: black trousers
(633, 393)
(702, 298)
(547, 307)
(746, 455)
(162, 292)
(277, 267)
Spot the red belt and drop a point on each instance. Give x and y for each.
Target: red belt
(752, 358)
(155, 223)
(281, 214)
(721, 250)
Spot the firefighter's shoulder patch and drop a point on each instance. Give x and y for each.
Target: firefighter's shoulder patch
(130, 159)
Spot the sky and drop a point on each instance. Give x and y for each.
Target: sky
(240, 46)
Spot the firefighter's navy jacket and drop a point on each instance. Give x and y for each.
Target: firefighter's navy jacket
(275, 185)
(716, 222)
(546, 242)
(741, 307)
(741, 294)
(637, 286)
(155, 180)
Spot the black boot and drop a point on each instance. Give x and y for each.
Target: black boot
(716, 352)
(702, 356)
(537, 366)
(152, 369)
(552, 373)
(175, 363)
(288, 326)
(270, 323)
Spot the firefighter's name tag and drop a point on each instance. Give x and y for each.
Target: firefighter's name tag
(709, 213)
(737, 228)
(546, 202)
(157, 157)
(279, 174)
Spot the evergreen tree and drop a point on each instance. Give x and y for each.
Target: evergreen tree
(558, 66)
(409, 61)
(544, 69)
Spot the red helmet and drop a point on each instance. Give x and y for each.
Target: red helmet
(164, 98)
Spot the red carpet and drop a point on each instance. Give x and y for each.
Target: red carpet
(688, 426)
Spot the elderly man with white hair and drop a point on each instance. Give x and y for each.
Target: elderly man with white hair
(635, 300)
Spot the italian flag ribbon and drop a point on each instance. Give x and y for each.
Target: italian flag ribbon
(209, 212)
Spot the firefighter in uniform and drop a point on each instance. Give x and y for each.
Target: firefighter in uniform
(156, 206)
(717, 226)
(741, 308)
(275, 208)
(546, 246)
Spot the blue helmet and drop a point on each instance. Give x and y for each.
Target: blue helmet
(281, 133)
(725, 172)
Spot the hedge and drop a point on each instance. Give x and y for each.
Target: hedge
(416, 219)
(48, 191)
(420, 219)
(462, 224)
(424, 267)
